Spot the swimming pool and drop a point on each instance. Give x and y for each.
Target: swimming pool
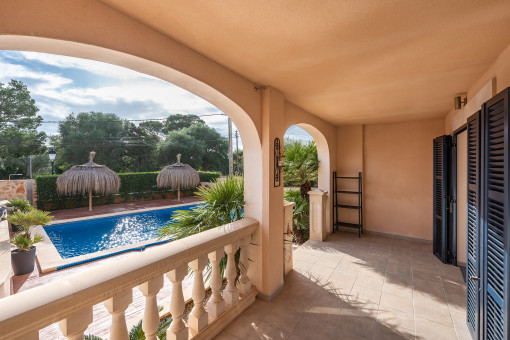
(93, 235)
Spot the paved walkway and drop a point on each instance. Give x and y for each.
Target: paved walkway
(370, 288)
(119, 207)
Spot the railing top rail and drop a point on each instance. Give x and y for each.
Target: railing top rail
(39, 307)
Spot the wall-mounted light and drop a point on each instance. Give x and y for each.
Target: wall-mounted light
(278, 162)
(459, 101)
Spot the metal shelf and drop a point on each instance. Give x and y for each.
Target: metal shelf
(358, 207)
(348, 225)
(345, 206)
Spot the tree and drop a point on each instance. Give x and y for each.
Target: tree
(19, 122)
(152, 127)
(140, 146)
(200, 145)
(178, 122)
(238, 162)
(301, 164)
(92, 131)
(120, 144)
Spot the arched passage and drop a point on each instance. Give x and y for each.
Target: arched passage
(323, 153)
(246, 126)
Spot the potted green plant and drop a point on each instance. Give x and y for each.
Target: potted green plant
(18, 204)
(23, 257)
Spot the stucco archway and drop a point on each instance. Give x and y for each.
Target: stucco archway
(323, 153)
(243, 121)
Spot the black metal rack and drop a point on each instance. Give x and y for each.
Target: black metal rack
(337, 206)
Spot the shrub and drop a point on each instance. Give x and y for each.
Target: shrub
(134, 186)
(300, 215)
(28, 219)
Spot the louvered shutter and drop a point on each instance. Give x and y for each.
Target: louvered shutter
(441, 165)
(496, 218)
(473, 222)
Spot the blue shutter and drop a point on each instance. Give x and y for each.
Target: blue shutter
(442, 146)
(473, 223)
(495, 217)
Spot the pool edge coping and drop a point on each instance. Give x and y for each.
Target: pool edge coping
(49, 259)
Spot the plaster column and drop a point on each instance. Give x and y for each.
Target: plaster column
(266, 270)
(318, 228)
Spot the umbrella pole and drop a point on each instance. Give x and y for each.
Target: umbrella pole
(90, 199)
(179, 192)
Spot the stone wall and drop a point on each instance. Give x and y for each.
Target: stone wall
(17, 189)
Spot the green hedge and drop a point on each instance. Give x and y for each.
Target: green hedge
(134, 187)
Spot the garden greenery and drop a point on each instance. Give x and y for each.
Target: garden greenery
(27, 219)
(134, 186)
(300, 215)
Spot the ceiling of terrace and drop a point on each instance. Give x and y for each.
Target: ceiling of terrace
(347, 61)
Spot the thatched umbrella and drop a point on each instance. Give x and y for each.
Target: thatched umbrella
(87, 178)
(177, 176)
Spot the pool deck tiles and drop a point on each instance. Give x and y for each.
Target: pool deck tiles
(118, 208)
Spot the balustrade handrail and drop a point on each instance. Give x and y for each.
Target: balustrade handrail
(39, 307)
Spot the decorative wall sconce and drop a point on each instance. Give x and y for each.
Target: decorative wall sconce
(278, 162)
(459, 101)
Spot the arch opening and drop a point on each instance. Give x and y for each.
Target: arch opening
(306, 133)
(233, 103)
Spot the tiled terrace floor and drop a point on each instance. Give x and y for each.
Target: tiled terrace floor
(370, 288)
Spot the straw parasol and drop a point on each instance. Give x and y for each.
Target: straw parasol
(177, 176)
(88, 177)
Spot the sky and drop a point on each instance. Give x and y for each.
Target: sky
(62, 85)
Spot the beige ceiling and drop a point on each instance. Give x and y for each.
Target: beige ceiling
(355, 61)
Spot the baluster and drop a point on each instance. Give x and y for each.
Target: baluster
(178, 329)
(150, 321)
(216, 304)
(117, 306)
(73, 327)
(244, 280)
(231, 294)
(198, 317)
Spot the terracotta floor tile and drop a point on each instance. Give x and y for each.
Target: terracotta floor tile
(429, 330)
(400, 303)
(406, 295)
(267, 331)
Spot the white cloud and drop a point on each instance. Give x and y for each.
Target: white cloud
(129, 94)
(96, 67)
(47, 80)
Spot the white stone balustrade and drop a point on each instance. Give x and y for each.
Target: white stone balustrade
(117, 306)
(150, 321)
(73, 327)
(216, 304)
(178, 329)
(231, 294)
(71, 299)
(318, 228)
(198, 318)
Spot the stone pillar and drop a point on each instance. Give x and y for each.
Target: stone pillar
(287, 235)
(318, 228)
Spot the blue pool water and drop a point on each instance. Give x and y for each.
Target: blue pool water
(89, 236)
